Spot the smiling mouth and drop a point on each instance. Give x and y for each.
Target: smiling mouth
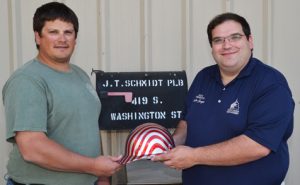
(61, 46)
(229, 53)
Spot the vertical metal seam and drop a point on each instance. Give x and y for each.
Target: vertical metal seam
(10, 37)
(105, 35)
(142, 36)
(184, 34)
(148, 34)
(270, 32)
(99, 33)
(188, 64)
(228, 6)
(267, 31)
(16, 37)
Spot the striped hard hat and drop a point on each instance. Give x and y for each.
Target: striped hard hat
(147, 140)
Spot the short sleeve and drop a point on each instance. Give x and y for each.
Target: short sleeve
(271, 117)
(25, 105)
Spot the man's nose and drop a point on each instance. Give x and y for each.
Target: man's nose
(226, 43)
(62, 37)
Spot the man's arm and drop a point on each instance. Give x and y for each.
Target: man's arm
(37, 148)
(238, 150)
(179, 135)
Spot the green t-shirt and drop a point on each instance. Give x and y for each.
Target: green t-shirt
(64, 105)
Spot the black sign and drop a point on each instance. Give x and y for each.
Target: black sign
(131, 98)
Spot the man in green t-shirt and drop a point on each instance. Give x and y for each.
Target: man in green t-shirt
(52, 110)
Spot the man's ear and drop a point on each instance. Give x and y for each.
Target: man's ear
(37, 38)
(251, 41)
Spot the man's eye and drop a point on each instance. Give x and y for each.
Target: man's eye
(69, 32)
(235, 37)
(53, 32)
(217, 40)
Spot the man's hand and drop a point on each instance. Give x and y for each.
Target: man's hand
(103, 181)
(106, 165)
(179, 158)
(235, 151)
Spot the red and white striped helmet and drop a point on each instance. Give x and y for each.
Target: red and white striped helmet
(147, 140)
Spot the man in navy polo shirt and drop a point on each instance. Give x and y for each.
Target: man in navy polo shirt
(238, 118)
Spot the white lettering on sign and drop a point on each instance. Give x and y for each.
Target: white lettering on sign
(144, 83)
(145, 100)
(157, 97)
(153, 115)
(175, 83)
(138, 115)
(176, 114)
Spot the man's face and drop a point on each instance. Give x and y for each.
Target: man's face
(233, 52)
(57, 41)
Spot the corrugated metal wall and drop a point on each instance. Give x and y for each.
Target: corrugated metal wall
(155, 35)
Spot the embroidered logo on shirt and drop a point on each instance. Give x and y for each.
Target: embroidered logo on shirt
(199, 99)
(234, 108)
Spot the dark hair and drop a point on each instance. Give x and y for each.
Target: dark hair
(219, 19)
(52, 11)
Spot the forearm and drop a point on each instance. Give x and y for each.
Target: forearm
(46, 153)
(58, 158)
(238, 150)
(179, 134)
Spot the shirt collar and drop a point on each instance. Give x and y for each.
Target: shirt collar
(246, 71)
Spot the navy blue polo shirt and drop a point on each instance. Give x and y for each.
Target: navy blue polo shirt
(259, 104)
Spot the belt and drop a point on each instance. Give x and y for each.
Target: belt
(16, 183)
